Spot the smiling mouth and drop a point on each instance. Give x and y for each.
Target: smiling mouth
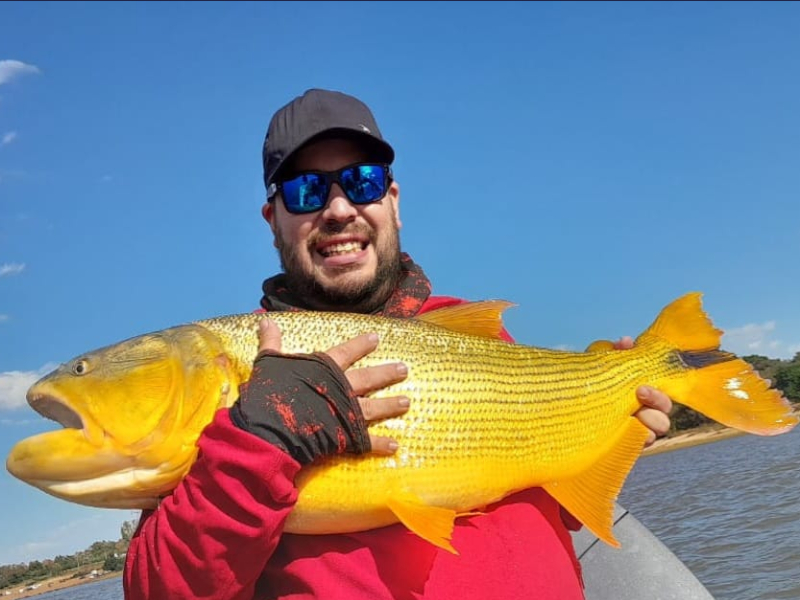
(341, 249)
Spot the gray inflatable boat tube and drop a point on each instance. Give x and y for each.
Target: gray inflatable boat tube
(644, 567)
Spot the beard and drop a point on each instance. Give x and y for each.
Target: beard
(363, 296)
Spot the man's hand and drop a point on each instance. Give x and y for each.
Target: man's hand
(307, 404)
(656, 405)
(363, 381)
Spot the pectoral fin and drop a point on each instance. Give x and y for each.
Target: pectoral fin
(590, 496)
(431, 523)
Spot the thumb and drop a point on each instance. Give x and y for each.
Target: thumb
(624, 343)
(269, 336)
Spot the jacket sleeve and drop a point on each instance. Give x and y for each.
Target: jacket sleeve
(233, 503)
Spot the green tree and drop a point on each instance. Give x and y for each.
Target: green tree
(65, 562)
(127, 530)
(765, 366)
(683, 418)
(787, 379)
(114, 562)
(36, 569)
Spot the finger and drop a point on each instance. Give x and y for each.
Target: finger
(651, 438)
(346, 353)
(269, 335)
(383, 445)
(654, 413)
(369, 379)
(375, 409)
(653, 398)
(655, 420)
(624, 343)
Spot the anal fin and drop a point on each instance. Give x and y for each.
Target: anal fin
(590, 496)
(431, 523)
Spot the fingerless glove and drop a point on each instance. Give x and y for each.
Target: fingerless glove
(303, 404)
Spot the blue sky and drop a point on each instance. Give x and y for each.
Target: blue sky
(588, 161)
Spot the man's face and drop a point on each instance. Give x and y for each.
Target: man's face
(343, 257)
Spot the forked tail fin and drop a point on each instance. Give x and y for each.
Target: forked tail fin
(719, 385)
(716, 383)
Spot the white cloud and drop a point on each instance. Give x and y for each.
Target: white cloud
(8, 138)
(11, 269)
(14, 385)
(106, 178)
(39, 549)
(9, 69)
(3, 318)
(758, 338)
(19, 422)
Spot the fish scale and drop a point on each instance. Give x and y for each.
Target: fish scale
(481, 411)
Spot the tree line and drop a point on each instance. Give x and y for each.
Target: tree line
(106, 556)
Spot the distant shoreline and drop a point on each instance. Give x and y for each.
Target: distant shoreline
(691, 437)
(704, 434)
(56, 583)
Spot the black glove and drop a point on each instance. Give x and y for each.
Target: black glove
(303, 404)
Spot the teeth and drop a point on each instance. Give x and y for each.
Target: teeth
(342, 248)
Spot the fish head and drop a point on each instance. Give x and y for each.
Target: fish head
(131, 414)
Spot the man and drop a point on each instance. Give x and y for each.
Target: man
(333, 208)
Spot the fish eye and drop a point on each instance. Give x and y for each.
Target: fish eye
(80, 367)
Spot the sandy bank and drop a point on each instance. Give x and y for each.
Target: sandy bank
(691, 438)
(55, 583)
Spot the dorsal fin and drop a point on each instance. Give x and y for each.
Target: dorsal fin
(483, 318)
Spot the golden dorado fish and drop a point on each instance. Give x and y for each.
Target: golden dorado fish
(488, 418)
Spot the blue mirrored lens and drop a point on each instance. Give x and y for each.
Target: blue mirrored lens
(364, 183)
(305, 193)
(308, 192)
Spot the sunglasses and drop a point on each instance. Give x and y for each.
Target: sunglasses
(362, 183)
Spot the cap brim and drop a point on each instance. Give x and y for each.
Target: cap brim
(377, 148)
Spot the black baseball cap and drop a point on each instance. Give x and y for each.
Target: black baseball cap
(318, 114)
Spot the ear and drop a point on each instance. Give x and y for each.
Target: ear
(394, 198)
(268, 212)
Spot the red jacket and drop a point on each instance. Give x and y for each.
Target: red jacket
(219, 535)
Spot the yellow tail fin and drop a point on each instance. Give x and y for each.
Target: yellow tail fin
(720, 385)
(707, 379)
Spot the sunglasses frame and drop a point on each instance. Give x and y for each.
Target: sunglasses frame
(331, 177)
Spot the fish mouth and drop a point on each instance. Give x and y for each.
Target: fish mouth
(55, 409)
(59, 410)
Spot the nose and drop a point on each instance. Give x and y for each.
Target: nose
(338, 207)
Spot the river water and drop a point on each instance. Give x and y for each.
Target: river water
(105, 589)
(729, 509)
